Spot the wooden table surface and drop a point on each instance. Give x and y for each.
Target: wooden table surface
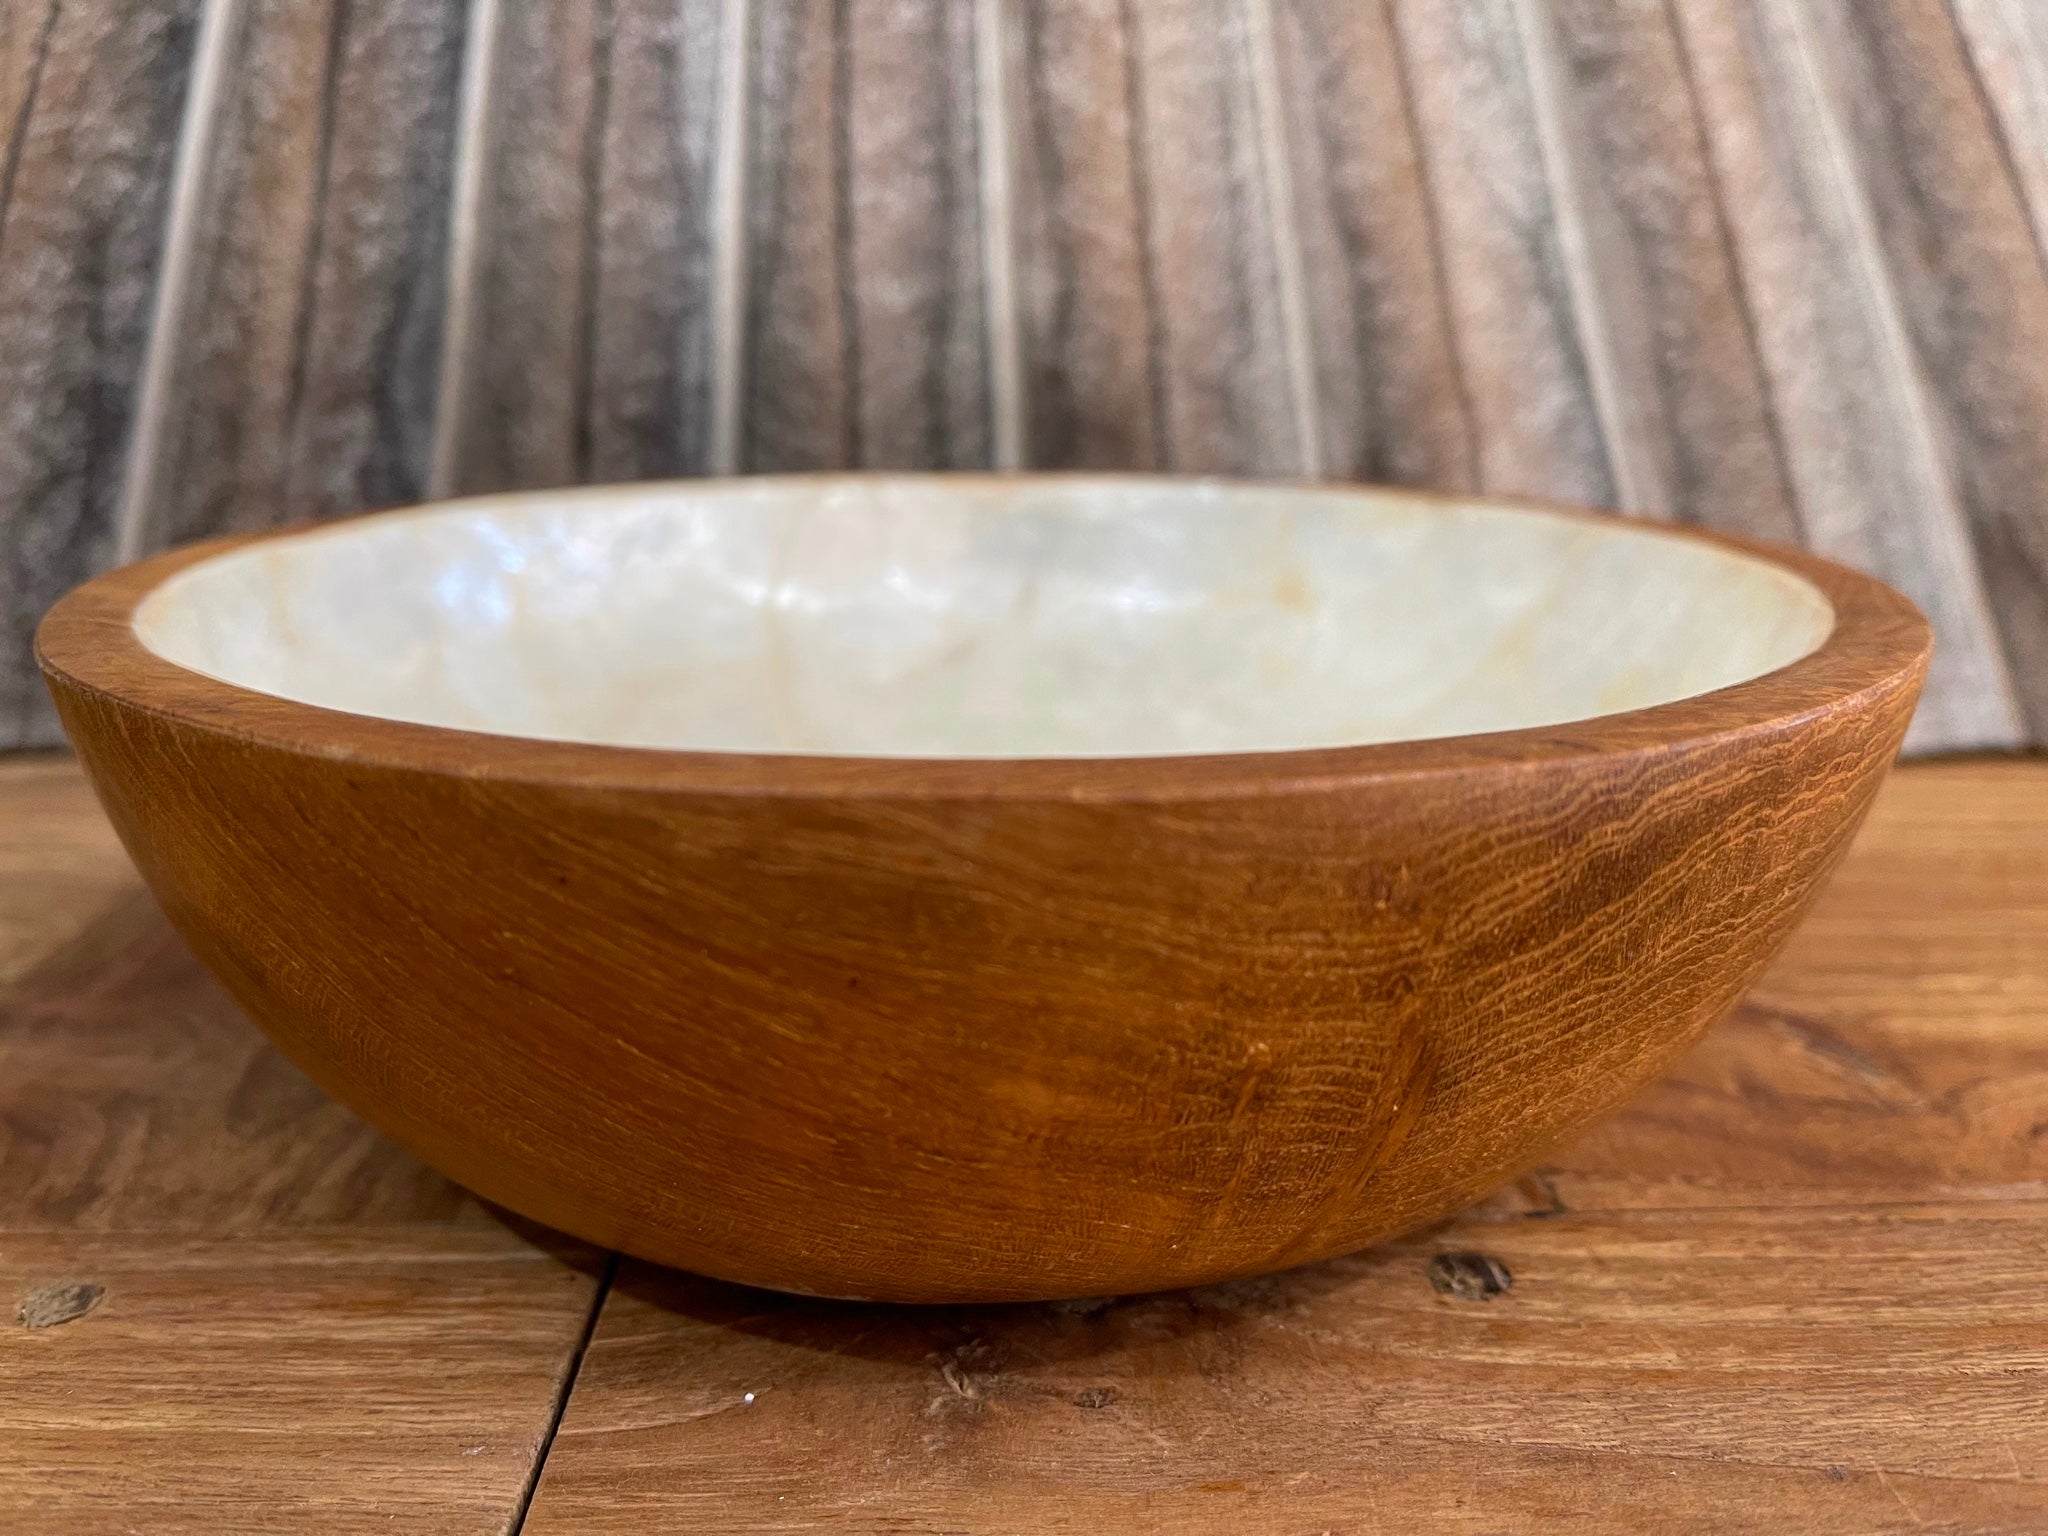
(1800, 1285)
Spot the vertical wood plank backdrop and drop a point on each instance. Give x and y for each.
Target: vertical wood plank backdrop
(1774, 266)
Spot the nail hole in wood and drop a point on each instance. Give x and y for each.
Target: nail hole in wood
(1469, 1276)
(64, 1302)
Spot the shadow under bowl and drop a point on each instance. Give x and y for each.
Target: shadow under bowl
(961, 888)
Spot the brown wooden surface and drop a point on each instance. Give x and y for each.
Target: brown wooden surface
(301, 1329)
(897, 1024)
(1789, 1288)
(1793, 1286)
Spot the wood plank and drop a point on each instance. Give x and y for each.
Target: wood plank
(651, 376)
(1787, 1287)
(1861, 441)
(1659, 280)
(282, 1383)
(2008, 44)
(363, 432)
(1084, 300)
(1528, 376)
(1225, 398)
(88, 161)
(1678, 1371)
(1150, 308)
(297, 1327)
(25, 34)
(60, 863)
(865, 340)
(307, 357)
(1896, 1049)
(1961, 252)
(138, 1099)
(1392, 401)
(524, 388)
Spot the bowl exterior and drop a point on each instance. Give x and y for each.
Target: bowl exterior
(966, 1047)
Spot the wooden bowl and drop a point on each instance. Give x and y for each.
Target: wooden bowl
(978, 888)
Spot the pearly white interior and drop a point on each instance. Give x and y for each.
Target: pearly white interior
(982, 619)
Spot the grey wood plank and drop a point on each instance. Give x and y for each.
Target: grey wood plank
(1085, 299)
(1950, 212)
(363, 434)
(525, 383)
(1528, 376)
(865, 339)
(1861, 443)
(88, 163)
(25, 34)
(2008, 45)
(302, 382)
(1153, 333)
(1226, 403)
(798, 345)
(650, 402)
(1659, 281)
(1391, 399)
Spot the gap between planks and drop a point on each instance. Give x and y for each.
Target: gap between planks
(571, 1370)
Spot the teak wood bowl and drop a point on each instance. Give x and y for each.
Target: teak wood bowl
(981, 888)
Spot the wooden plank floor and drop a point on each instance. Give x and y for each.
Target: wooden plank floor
(294, 1327)
(1795, 1286)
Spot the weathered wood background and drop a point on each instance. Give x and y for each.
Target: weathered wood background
(1767, 265)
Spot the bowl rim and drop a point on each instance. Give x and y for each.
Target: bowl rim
(1880, 643)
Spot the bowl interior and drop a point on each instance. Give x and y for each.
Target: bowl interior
(983, 618)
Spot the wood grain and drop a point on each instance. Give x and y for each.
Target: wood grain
(60, 863)
(1895, 1053)
(363, 433)
(1086, 308)
(651, 371)
(305, 368)
(919, 1010)
(1773, 268)
(1616, 1387)
(1861, 442)
(1392, 402)
(1150, 308)
(1971, 288)
(1222, 371)
(865, 341)
(1784, 1287)
(2008, 48)
(95, 91)
(227, 1137)
(1791, 1284)
(283, 1384)
(1528, 376)
(299, 1328)
(1658, 291)
(522, 413)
